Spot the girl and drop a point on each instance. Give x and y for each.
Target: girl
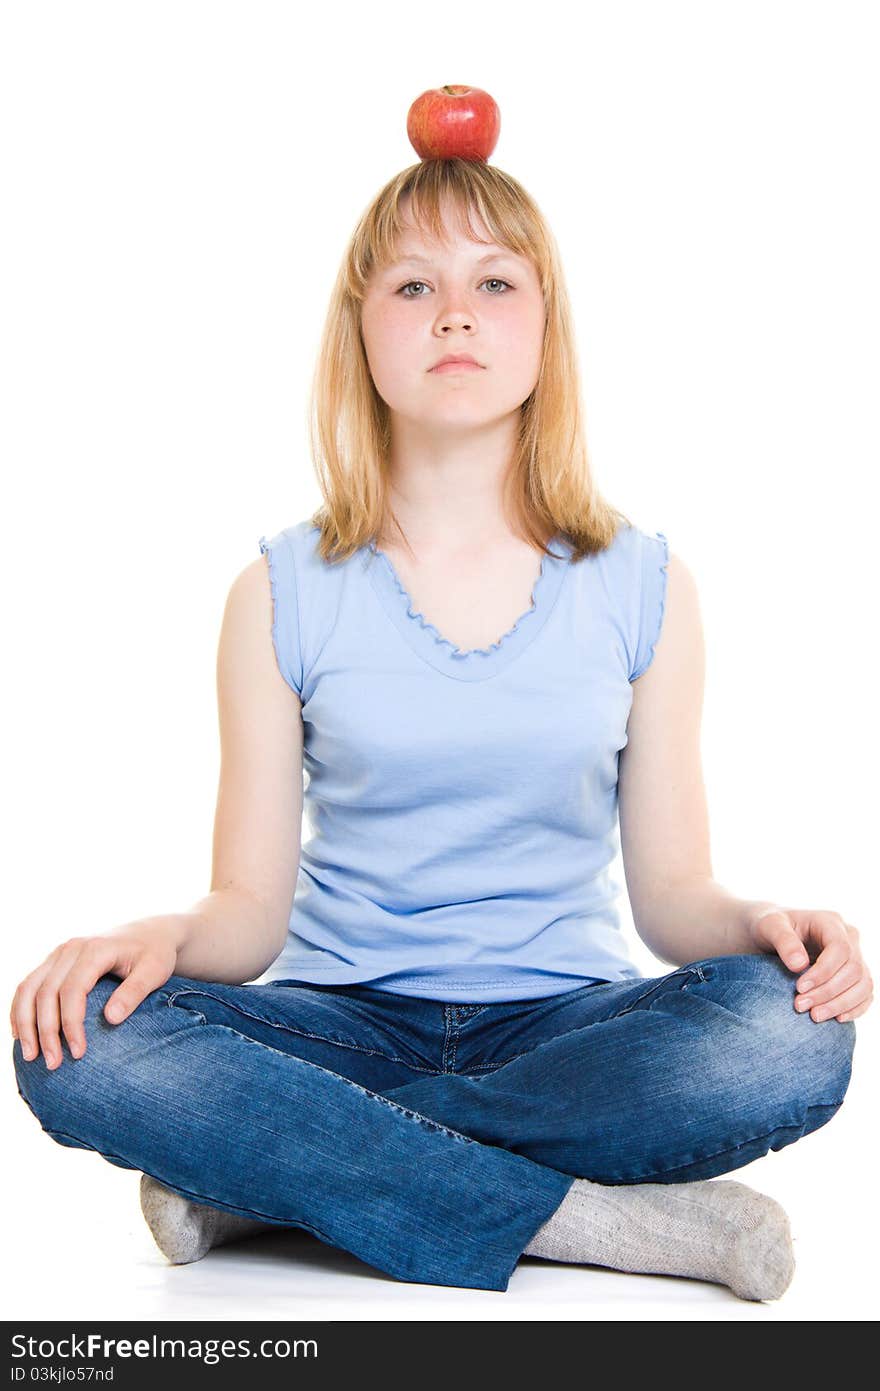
(419, 1035)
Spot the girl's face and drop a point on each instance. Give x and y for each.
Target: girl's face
(464, 297)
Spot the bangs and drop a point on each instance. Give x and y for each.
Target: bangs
(469, 194)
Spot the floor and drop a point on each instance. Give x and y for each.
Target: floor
(81, 1249)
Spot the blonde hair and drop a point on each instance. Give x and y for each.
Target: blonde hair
(550, 488)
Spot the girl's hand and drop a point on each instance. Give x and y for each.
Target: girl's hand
(53, 996)
(838, 984)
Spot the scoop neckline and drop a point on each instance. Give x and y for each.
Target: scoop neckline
(475, 663)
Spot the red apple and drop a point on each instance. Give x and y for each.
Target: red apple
(453, 122)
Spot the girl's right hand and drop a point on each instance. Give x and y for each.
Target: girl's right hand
(144, 953)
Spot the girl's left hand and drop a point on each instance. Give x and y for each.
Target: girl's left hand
(838, 984)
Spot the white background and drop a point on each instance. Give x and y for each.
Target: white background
(179, 184)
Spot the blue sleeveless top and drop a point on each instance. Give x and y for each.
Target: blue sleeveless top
(462, 805)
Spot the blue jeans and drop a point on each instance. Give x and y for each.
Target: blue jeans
(432, 1140)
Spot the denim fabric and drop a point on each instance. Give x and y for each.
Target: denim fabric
(430, 1139)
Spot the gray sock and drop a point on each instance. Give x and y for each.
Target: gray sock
(185, 1231)
(714, 1229)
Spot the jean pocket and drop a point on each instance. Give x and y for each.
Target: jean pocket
(178, 998)
(673, 980)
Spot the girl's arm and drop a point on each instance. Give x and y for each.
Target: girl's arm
(235, 932)
(679, 911)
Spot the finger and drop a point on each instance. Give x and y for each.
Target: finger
(830, 959)
(850, 999)
(25, 1008)
(790, 949)
(96, 958)
(858, 1011)
(850, 973)
(48, 1011)
(141, 981)
(778, 932)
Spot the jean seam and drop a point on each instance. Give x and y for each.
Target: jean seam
(450, 1039)
(684, 970)
(483, 1067)
(730, 1149)
(303, 1033)
(379, 1096)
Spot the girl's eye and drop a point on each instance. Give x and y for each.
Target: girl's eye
(492, 279)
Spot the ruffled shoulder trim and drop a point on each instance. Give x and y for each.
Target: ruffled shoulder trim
(657, 590)
(286, 633)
